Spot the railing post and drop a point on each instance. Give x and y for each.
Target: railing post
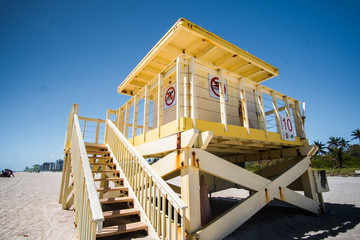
(135, 118)
(159, 105)
(186, 90)
(74, 110)
(146, 112)
(179, 92)
(222, 99)
(97, 131)
(194, 112)
(276, 111)
(83, 135)
(287, 106)
(260, 102)
(244, 111)
(120, 119)
(127, 112)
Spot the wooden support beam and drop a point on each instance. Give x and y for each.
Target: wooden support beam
(239, 67)
(206, 51)
(193, 45)
(244, 112)
(169, 143)
(222, 60)
(146, 111)
(266, 190)
(276, 111)
(66, 177)
(190, 194)
(223, 111)
(204, 139)
(167, 165)
(273, 111)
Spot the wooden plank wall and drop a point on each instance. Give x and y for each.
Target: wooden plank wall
(263, 104)
(209, 107)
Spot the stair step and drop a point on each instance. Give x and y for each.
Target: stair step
(121, 213)
(125, 228)
(108, 179)
(112, 189)
(92, 157)
(105, 171)
(93, 152)
(116, 200)
(95, 145)
(103, 164)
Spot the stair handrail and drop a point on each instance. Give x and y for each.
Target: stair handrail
(77, 144)
(158, 181)
(165, 187)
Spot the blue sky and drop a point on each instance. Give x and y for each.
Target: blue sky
(55, 53)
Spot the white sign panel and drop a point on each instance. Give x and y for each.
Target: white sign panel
(287, 129)
(170, 96)
(214, 87)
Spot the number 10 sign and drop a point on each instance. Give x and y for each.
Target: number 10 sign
(287, 129)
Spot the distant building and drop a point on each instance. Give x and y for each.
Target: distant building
(59, 164)
(46, 166)
(52, 166)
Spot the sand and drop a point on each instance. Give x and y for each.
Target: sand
(29, 210)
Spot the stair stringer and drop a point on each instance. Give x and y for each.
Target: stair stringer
(143, 217)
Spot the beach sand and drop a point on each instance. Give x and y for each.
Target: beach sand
(29, 210)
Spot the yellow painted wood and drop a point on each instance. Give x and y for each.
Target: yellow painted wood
(195, 41)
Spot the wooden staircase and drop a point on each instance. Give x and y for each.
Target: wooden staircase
(118, 208)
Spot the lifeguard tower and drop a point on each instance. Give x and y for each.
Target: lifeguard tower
(198, 106)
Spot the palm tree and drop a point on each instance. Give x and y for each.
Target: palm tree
(343, 143)
(337, 147)
(356, 134)
(321, 147)
(333, 142)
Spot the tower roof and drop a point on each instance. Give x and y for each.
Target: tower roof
(188, 38)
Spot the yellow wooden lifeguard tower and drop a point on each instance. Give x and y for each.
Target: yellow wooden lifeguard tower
(197, 104)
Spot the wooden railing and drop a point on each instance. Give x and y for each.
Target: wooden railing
(251, 105)
(161, 204)
(94, 135)
(89, 217)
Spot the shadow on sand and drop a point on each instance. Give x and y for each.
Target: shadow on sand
(277, 221)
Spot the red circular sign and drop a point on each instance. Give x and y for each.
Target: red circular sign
(170, 96)
(215, 86)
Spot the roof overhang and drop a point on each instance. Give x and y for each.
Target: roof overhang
(186, 37)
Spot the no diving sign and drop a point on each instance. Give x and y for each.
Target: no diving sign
(214, 87)
(170, 97)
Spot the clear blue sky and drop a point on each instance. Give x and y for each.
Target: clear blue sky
(55, 53)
